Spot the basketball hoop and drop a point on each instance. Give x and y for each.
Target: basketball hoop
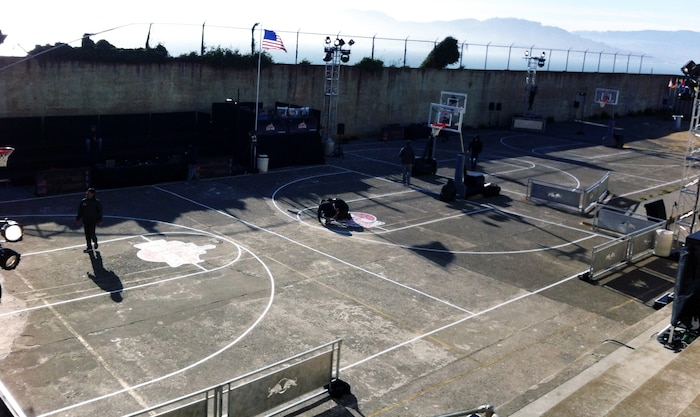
(436, 128)
(603, 102)
(5, 152)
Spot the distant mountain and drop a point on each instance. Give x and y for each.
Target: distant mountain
(665, 52)
(670, 50)
(501, 31)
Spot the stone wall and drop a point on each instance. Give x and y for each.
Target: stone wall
(366, 101)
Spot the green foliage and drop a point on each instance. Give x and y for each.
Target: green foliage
(224, 57)
(304, 62)
(445, 53)
(371, 65)
(103, 51)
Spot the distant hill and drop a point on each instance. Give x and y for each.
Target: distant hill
(670, 50)
(665, 52)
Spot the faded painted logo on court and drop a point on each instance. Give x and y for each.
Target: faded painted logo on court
(174, 253)
(365, 219)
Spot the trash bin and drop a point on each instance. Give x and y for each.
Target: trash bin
(677, 119)
(329, 147)
(263, 162)
(663, 242)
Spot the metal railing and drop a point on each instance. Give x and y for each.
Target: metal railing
(274, 388)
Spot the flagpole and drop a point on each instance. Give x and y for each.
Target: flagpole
(254, 145)
(257, 91)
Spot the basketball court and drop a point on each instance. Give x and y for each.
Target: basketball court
(440, 306)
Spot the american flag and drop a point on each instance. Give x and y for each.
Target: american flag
(272, 41)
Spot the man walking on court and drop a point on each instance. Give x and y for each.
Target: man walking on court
(90, 213)
(408, 157)
(475, 148)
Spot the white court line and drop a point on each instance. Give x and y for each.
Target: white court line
(454, 323)
(270, 303)
(126, 388)
(666, 184)
(196, 363)
(661, 183)
(485, 207)
(148, 284)
(335, 258)
(7, 396)
(409, 341)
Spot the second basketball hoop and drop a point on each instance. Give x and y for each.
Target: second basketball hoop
(5, 152)
(606, 96)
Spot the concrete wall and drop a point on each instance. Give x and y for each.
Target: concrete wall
(366, 101)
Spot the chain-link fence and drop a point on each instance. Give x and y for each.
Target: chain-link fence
(308, 47)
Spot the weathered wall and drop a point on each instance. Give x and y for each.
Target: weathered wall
(366, 101)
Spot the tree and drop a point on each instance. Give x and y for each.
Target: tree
(445, 53)
(370, 65)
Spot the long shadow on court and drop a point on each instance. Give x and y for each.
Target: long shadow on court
(108, 281)
(435, 252)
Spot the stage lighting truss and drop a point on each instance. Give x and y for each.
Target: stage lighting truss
(9, 259)
(10, 230)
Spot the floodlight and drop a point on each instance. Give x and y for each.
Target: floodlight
(689, 67)
(9, 259)
(10, 230)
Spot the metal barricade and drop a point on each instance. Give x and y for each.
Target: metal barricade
(272, 389)
(581, 200)
(636, 240)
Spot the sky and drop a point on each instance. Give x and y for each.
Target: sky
(126, 23)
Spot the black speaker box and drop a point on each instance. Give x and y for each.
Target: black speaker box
(474, 180)
(686, 300)
(656, 210)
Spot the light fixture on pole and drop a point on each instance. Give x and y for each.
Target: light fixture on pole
(336, 52)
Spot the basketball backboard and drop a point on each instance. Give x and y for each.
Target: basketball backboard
(449, 111)
(450, 98)
(605, 96)
(449, 116)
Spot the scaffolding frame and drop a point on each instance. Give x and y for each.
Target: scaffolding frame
(336, 53)
(686, 208)
(330, 91)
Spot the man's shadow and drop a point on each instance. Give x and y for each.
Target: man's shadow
(107, 280)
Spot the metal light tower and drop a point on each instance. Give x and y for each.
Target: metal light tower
(337, 52)
(531, 80)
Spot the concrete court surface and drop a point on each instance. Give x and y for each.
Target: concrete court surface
(441, 306)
